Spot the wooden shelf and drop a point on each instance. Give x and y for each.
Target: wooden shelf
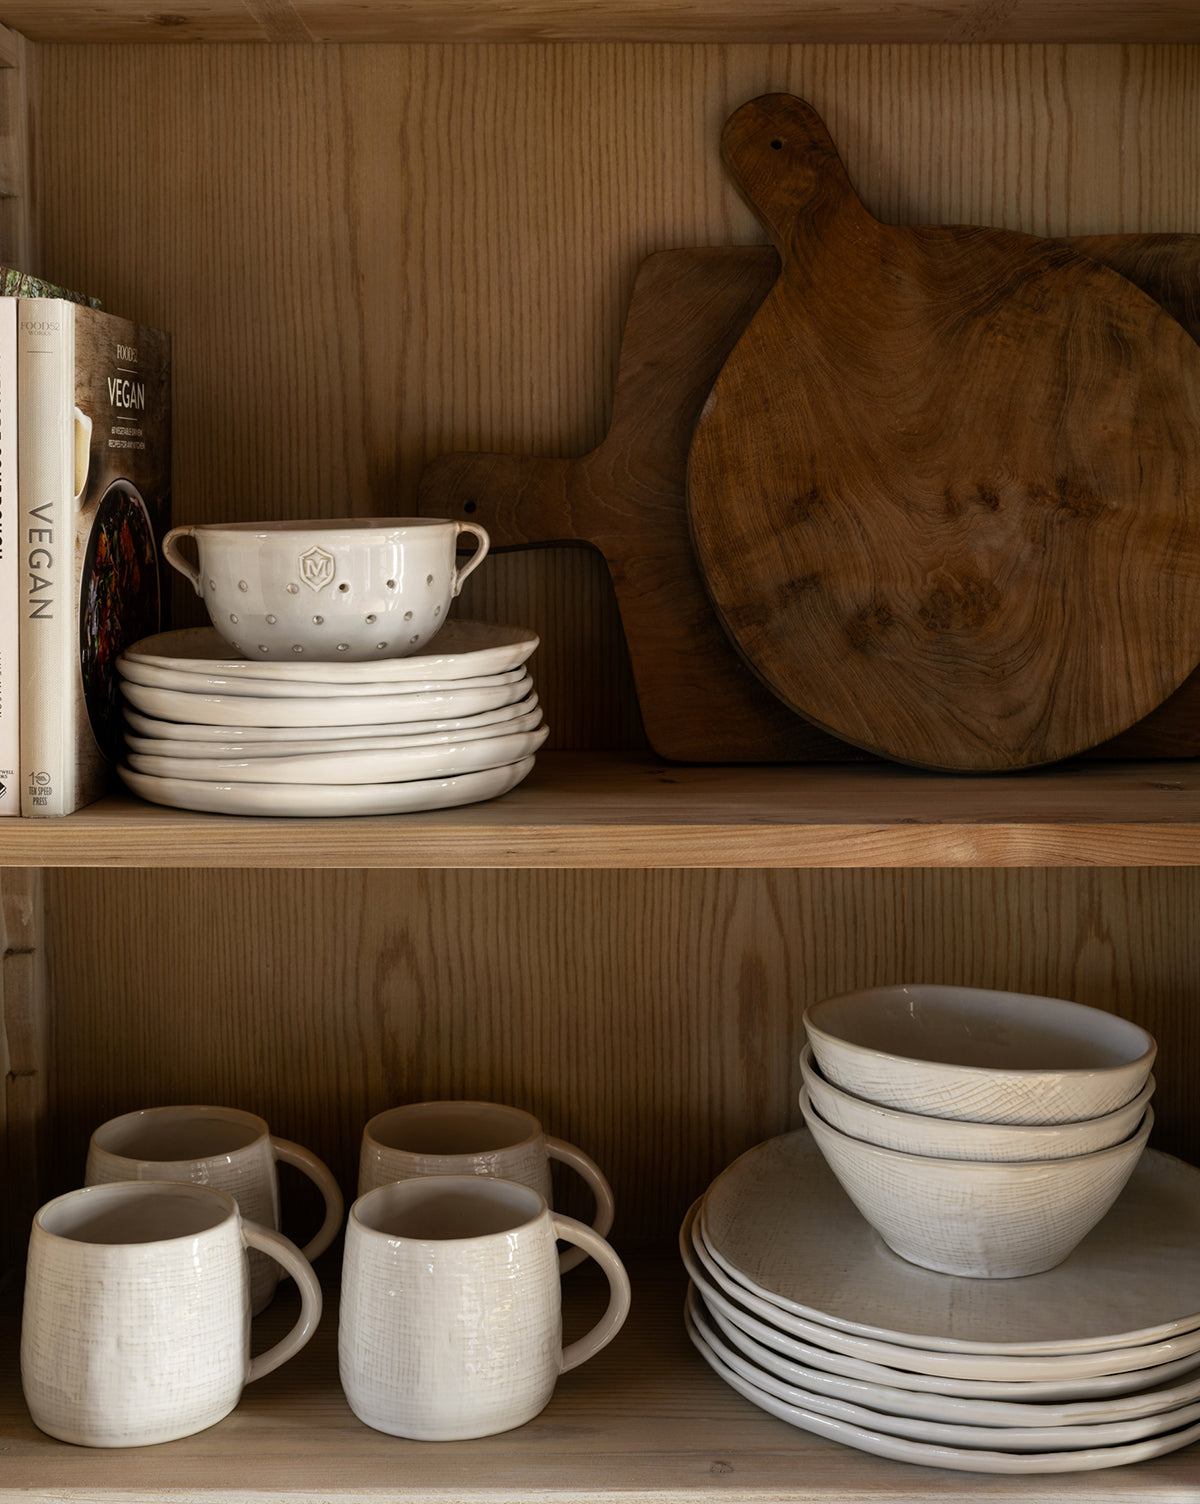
(646, 1419)
(595, 810)
(604, 20)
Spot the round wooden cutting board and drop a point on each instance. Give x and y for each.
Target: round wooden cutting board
(945, 492)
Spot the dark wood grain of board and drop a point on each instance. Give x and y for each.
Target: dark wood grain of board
(944, 490)
(700, 702)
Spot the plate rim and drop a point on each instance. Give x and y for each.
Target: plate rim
(443, 792)
(1167, 1330)
(530, 741)
(1094, 1386)
(958, 1459)
(993, 1435)
(941, 1362)
(996, 1412)
(251, 710)
(528, 721)
(522, 641)
(201, 732)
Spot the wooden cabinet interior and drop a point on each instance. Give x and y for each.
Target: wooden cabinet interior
(372, 254)
(653, 1016)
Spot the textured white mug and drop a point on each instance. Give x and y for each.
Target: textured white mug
(450, 1323)
(476, 1138)
(218, 1146)
(336, 589)
(136, 1325)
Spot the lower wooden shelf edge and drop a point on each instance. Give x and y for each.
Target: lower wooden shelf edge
(644, 1420)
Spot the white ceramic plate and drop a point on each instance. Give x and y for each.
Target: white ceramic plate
(463, 649)
(780, 1225)
(352, 710)
(318, 800)
(871, 1409)
(930, 1454)
(1149, 1409)
(397, 766)
(135, 671)
(148, 726)
(1093, 1388)
(1022, 1367)
(154, 746)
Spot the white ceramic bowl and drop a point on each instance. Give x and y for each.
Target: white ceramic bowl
(981, 1218)
(979, 1055)
(340, 589)
(953, 1138)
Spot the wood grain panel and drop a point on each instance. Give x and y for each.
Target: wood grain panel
(17, 189)
(921, 491)
(369, 255)
(24, 1057)
(616, 811)
(606, 20)
(651, 1017)
(431, 248)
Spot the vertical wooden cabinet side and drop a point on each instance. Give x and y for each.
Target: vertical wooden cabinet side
(24, 1056)
(17, 209)
(24, 1050)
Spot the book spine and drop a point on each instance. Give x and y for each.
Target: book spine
(46, 490)
(10, 613)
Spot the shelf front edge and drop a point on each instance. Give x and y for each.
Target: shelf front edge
(621, 810)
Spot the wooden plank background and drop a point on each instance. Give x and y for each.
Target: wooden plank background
(823, 21)
(368, 255)
(653, 1018)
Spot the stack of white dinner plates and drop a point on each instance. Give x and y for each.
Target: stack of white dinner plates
(799, 1305)
(207, 730)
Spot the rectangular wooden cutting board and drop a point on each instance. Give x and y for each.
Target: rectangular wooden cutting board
(699, 700)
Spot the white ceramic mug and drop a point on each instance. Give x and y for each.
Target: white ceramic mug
(334, 589)
(476, 1138)
(450, 1323)
(218, 1146)
(136, 1324)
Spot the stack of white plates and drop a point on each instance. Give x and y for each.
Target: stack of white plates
(799, 1305)
(206, 730)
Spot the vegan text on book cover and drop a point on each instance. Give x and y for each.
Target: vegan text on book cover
(95, 428)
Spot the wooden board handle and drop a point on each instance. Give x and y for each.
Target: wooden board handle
(783, 161)
(518, 499)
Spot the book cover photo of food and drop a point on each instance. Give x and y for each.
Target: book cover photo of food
(94, 467)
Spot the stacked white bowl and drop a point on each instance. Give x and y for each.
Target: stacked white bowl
(980, 1133)
(848, 1279)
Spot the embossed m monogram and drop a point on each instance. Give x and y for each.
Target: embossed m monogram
(316, 568)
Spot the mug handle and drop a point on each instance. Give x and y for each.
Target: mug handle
(568, 1154)
(319, 1173)
(170, 548)
(613, 1319)
(476, 559)
(285, 1252)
